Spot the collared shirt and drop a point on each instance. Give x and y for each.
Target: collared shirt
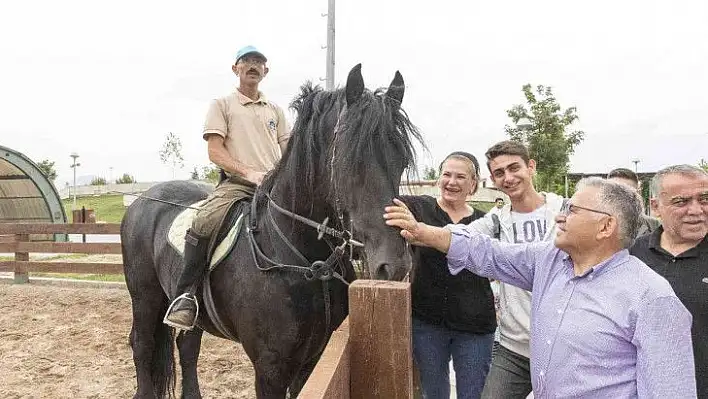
(617, 331)
(688, 275)
(252, 129)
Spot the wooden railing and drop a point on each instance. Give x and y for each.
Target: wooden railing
(21, 246)
(370, 355)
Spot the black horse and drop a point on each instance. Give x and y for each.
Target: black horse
(347, 153)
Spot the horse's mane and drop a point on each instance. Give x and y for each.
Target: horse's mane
(374, 127)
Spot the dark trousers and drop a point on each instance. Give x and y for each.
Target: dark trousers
(510, 376)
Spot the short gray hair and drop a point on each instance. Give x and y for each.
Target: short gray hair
(622, 202)
(683, 169)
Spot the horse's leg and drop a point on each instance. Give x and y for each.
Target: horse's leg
(301, 377)
(150, 339)
(273, 375)
(189, 344)
(152, 345)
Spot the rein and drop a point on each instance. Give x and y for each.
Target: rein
(321, 270)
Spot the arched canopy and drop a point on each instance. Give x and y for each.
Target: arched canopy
(26, 195)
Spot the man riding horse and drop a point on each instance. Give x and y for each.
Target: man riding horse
(246, 134)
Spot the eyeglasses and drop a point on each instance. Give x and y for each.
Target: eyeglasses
(569, 208)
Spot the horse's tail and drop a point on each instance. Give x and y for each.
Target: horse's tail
(163, 361)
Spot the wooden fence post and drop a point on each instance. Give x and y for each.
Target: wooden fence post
(380, 339)
(21, 276)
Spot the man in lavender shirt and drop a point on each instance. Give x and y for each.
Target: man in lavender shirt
(604, 325)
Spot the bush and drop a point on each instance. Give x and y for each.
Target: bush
(125, 179)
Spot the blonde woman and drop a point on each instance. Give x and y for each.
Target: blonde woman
(453, 316)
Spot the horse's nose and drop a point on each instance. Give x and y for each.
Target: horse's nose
(384, 272)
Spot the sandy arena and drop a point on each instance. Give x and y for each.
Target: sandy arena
(58, 342)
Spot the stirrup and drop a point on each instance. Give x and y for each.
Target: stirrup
(189, 297)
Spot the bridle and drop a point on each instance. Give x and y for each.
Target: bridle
(321, 270)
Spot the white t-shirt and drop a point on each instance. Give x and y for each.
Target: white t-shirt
(529, 227)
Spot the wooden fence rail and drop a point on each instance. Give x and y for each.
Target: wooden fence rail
(21, 246)
(370, 355)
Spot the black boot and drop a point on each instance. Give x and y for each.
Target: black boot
(183, 311)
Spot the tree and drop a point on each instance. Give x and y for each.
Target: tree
(547, 138)
(703, 164)
(430, 173)
(98, 181)
(125, 179)
(211, 174)
(47, 168)
(195, 174)
(208, 173)
(171, 152)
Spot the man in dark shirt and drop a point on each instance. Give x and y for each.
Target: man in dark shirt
(679, 250)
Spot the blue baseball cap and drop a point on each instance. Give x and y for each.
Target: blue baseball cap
(243, 51)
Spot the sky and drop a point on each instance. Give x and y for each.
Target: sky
(109, 80)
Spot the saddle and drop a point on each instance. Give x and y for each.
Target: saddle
(226, 234)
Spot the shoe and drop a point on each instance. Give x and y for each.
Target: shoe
(182, 313)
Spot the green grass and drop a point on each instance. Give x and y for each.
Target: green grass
(79, 276)
(107, 208)
(482, 206)
(50, 258)
(73, 276)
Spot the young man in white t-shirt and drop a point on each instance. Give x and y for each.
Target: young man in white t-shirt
(528, 218)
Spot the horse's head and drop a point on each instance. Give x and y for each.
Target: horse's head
(371, 150)
(347, 152)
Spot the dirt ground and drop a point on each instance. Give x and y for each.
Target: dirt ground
(58, 342)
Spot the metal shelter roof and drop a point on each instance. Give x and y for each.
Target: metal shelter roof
(26, 195)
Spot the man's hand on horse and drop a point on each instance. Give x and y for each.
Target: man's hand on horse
(400, 216)
(415, 232)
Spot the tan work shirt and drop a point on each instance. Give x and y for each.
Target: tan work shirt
(252, 130)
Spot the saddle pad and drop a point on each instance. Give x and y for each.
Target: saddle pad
(183, 221)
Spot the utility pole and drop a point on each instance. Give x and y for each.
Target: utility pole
(329, 84)
(74, 166)
(635, 161)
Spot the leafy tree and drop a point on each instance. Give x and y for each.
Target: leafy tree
(210, 173)
(430, 173)
(98, 181)
(171, 152)
(548, 138)
(125, 179)
(47, 168)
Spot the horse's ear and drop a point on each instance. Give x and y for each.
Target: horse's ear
(396, 88)
(355, 85)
